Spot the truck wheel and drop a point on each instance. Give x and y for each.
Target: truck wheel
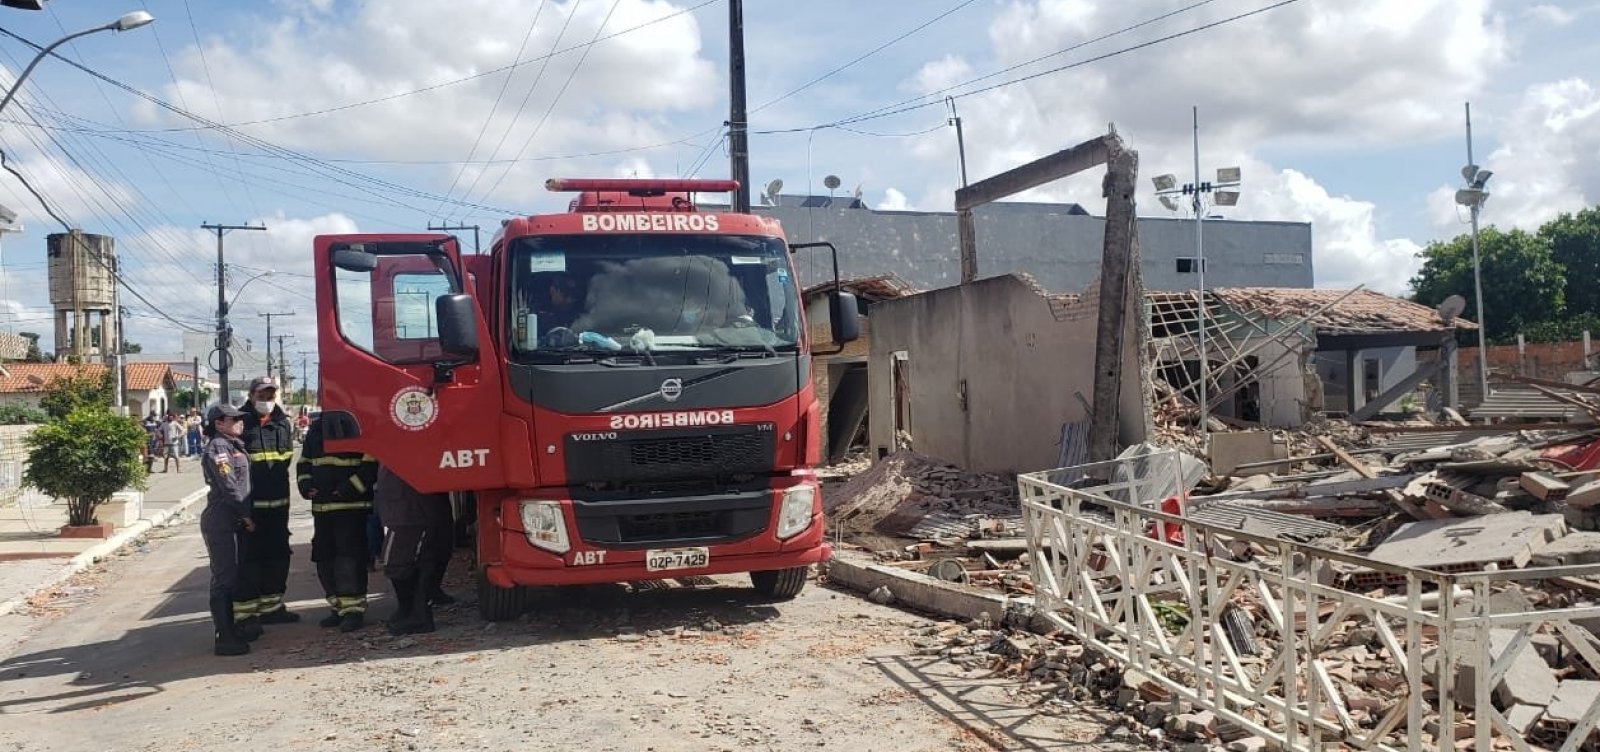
(781, 584)
(498, 603)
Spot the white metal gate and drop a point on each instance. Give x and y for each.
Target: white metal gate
(1106, 567)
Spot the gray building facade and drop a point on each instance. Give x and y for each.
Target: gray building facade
(1058, 244)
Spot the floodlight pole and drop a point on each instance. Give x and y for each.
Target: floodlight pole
(1200, 259)
(1477, 275)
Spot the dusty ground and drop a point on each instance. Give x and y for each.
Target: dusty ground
(120, 660)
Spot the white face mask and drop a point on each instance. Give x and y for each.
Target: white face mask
(264, 406)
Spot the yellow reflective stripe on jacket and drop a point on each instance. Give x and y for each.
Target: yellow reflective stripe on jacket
(339, 506)
(270, 503)
(357, 484)
(336, 461)
(271, 456)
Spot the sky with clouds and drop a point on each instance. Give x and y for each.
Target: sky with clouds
(347, 115)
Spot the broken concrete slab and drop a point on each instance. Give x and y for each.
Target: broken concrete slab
(925, 593)
(1584, 496)
(1456, 545)
(1231, 449)
(1522, 717)
(1572, 700)
(1581, 547)
(1528, 680)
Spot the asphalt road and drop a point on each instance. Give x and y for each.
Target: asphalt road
(120, 660)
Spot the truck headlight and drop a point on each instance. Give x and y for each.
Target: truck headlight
(542, 522)
(794, 515)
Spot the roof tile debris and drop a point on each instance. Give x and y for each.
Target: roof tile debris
(22, 378)
(1363, 311)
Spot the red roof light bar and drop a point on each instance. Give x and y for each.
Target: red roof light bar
(640, 186)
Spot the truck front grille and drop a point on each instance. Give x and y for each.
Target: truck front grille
(716, 452)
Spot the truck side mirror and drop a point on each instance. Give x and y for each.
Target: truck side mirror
(458, 324)
(354, 260)
(843, 316)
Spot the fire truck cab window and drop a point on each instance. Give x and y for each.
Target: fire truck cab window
(658, 293)
(389, 311)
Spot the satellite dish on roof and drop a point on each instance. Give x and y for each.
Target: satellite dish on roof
(832, 182)
(1451, 308)
(771, 194)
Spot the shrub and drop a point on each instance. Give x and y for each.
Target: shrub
(84, 457)
(68, 393)
(21, 415)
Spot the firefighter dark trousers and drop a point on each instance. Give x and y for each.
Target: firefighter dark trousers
(266, 562)
(419, 554)
(339, 548)
(227, 551)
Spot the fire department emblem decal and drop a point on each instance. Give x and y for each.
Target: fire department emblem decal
(413, 408)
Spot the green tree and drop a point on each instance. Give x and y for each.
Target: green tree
(34, 354)
(84, 457)
(1522, 282)
(131, 348)
(185, 399)
(68, 393)
(1574, 241)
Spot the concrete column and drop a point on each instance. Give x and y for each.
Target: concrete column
(1354, 398)
(63, 334)
(1522, 355)
(1449, 384)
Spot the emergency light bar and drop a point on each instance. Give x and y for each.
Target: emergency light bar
(640, 186)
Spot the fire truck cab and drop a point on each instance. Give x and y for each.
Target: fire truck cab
(621, 392)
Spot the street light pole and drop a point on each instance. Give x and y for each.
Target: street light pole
(1477, 268)
(1166, 188)
(224, 334)
(127, 22)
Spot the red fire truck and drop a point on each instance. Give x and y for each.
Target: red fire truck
(619, 393)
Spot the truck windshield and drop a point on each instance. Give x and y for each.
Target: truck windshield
(650, 294)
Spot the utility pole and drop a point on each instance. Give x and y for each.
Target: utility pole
(452, 228)
(305, 360)
(268, 317)
(1477, 268)
(224, 333)
(283, 360)
(961, 142)
(197, 405)
(738, 119)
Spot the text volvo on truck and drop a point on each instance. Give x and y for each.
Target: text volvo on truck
(620, 392)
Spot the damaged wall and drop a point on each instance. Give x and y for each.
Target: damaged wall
(1061, 249)
(1019, 360)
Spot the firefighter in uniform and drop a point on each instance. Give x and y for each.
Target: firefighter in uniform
(416, 550)
(269, 438)
(226, 523)
(339, 486)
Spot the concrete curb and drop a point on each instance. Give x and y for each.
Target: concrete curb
(105, 548)
(930, 594)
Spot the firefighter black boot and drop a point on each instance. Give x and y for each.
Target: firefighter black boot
(405, 596)
(228, 641)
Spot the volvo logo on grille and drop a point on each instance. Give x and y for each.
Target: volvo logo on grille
(671, 389)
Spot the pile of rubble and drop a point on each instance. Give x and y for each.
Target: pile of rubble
(912, 497)
(1060, 674)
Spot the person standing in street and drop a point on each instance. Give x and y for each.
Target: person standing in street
(269, 439)
(195, 424)
(339, 486)
(225, 525)
(172, 434)
(416, 550)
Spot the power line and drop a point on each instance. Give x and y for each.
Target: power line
(504, 85)
(446, 84)
(553, 100)
(861, 57)
(906, 106)
(216, 101)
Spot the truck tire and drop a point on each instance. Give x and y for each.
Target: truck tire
(498, 603)
(780, 584)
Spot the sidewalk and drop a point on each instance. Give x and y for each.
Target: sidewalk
(33, 556)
